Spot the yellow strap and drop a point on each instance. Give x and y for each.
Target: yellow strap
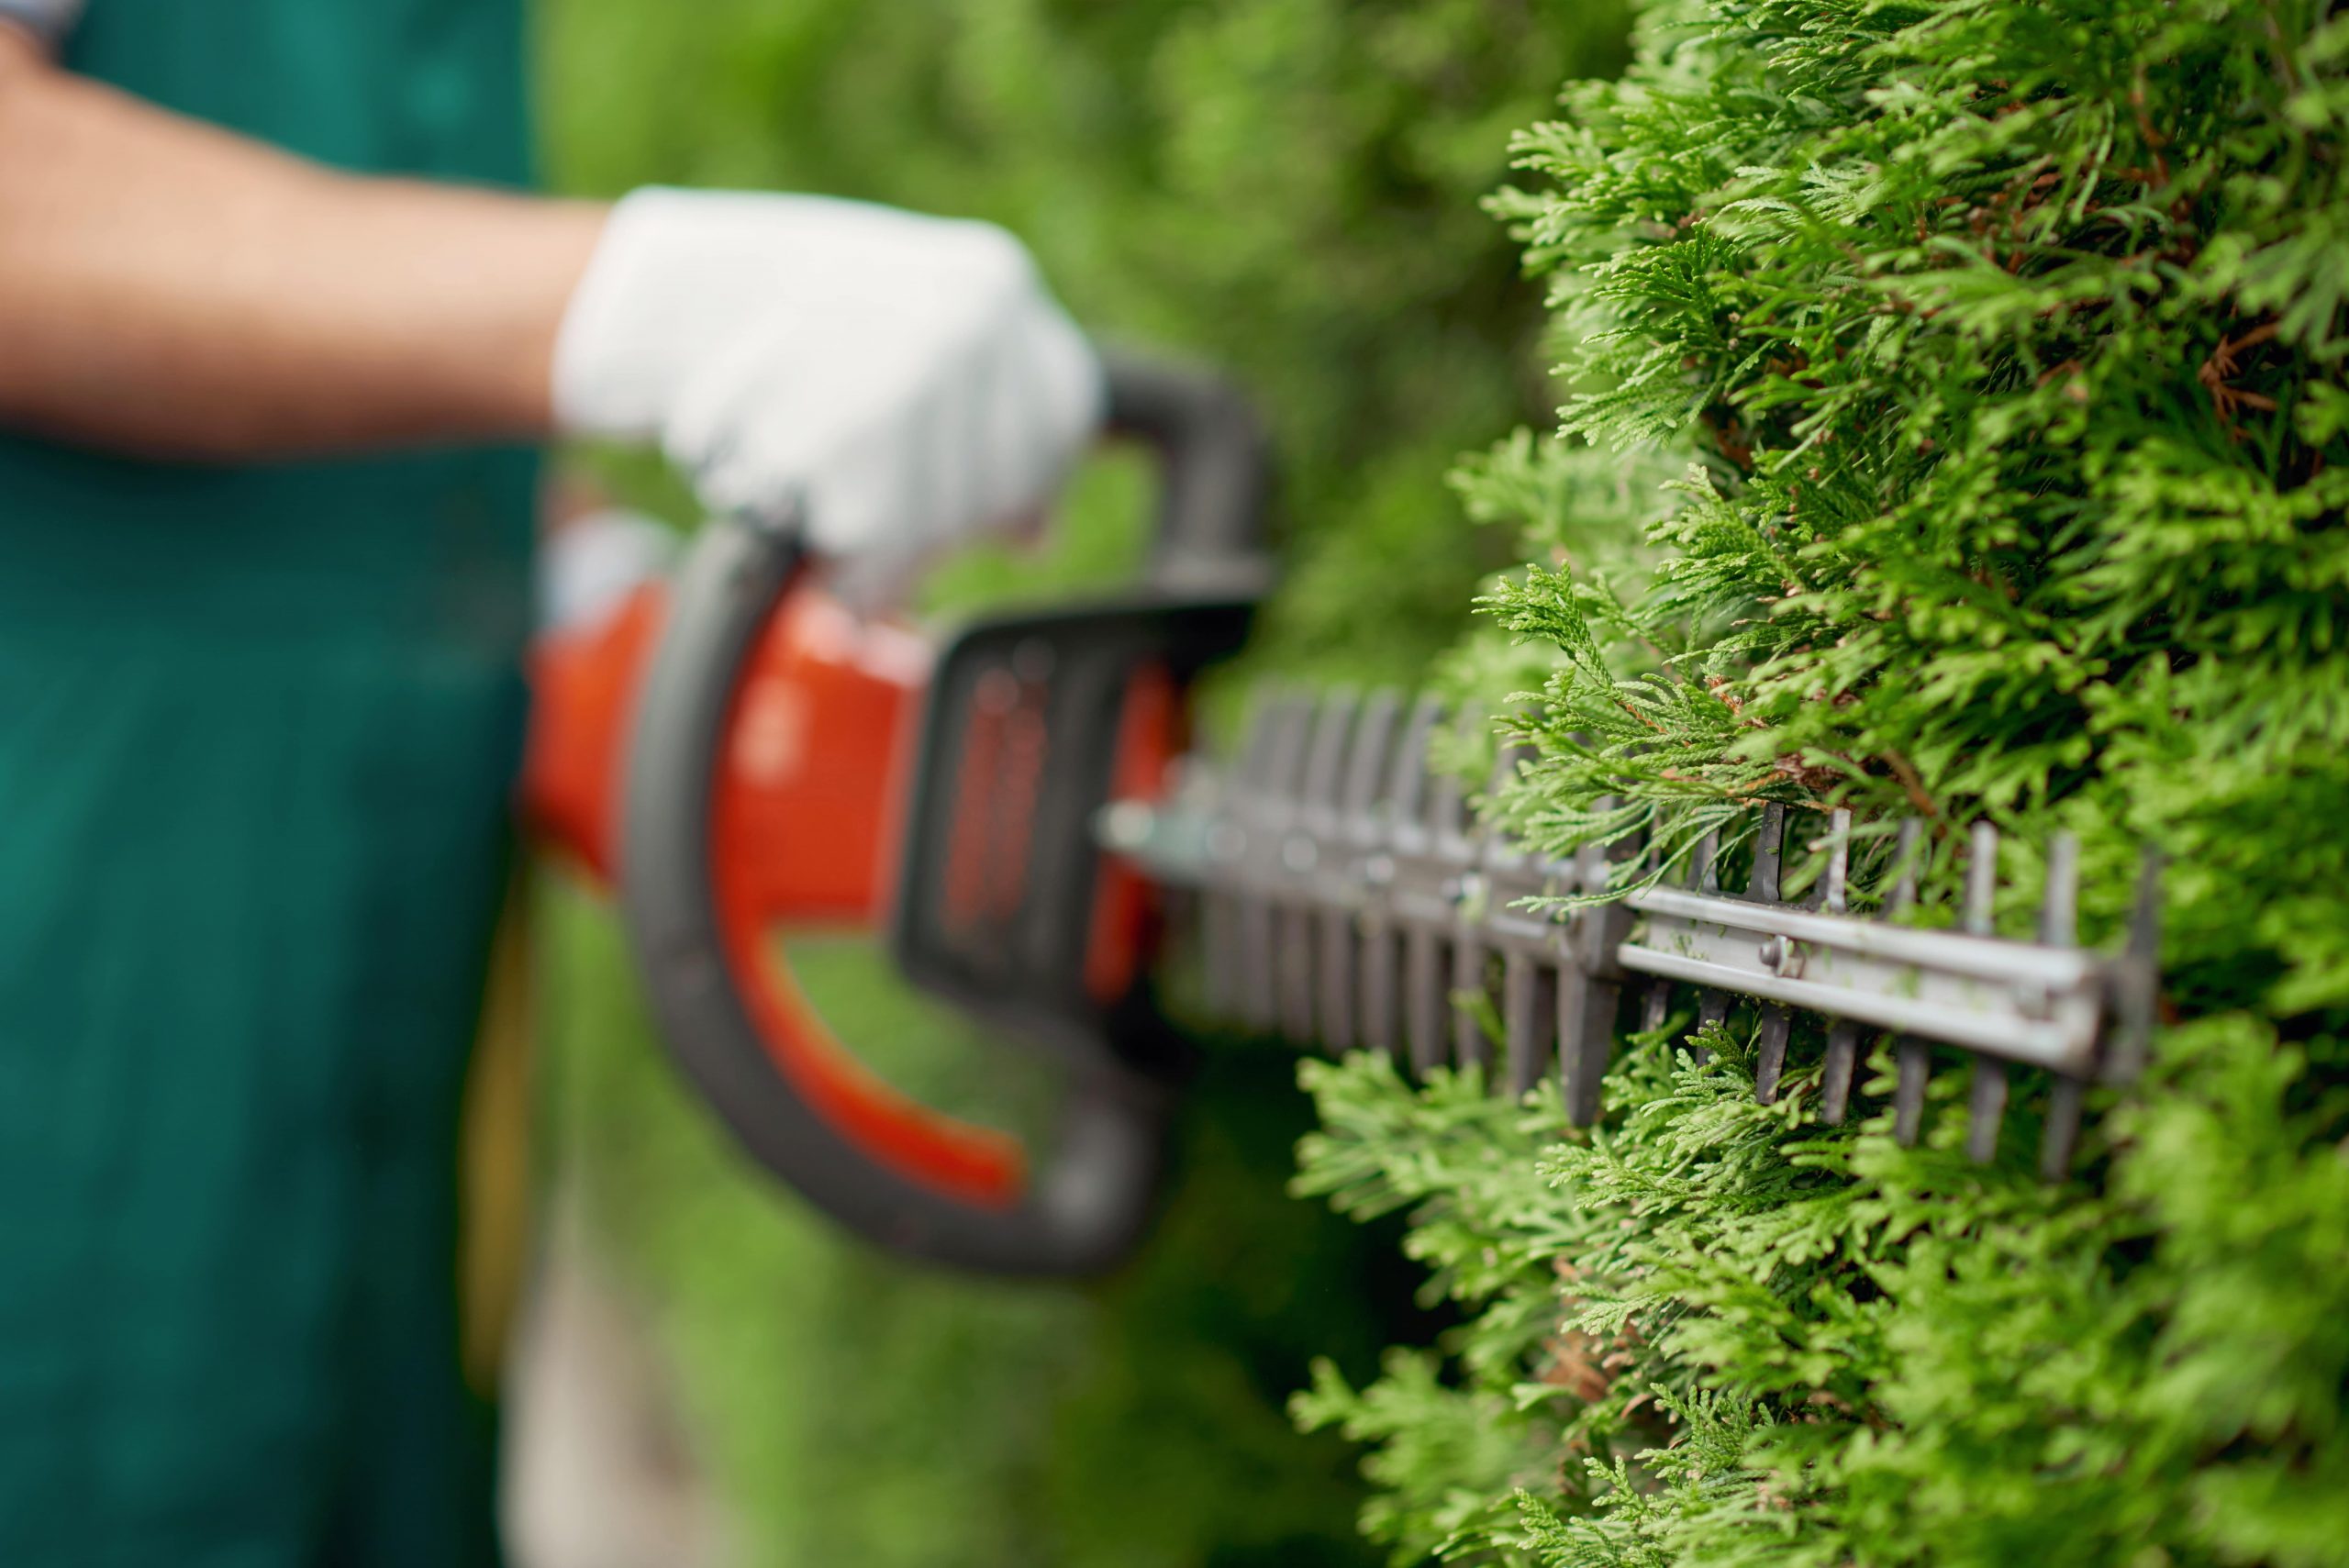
(494, 1148)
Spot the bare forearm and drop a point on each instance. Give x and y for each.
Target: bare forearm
(169, 288)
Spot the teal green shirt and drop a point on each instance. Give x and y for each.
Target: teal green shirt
(258, 731)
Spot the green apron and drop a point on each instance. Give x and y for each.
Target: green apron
(258, 729)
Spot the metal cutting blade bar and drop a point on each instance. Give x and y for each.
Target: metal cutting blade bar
(1357, 899)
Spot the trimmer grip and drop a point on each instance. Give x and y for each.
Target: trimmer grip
(893, 1171)
(907, 1177)
(1216, 465)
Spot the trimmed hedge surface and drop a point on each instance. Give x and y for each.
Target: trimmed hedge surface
(2000, 352)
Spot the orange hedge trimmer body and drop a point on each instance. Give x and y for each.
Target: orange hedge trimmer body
(738, 755)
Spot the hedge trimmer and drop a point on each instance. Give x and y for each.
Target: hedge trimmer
(1020, 809)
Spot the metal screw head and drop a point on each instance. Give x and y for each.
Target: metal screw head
(1379, 871)
(1298, 854)
(1773, 953)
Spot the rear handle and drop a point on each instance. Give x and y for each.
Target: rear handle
(1084, 1209)
(1215, 462)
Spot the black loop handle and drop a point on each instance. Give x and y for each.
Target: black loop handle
(1088, 1204)
(1216, 473)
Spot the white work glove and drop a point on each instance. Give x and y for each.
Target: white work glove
(908, 380)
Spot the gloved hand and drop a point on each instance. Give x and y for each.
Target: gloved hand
(909, 379)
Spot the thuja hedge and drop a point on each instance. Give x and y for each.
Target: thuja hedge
(2001, 355)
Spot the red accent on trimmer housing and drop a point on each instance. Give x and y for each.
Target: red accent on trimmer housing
(802, 835)
(583, 697)
(1125, 912)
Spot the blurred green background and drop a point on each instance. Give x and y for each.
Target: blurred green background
(1287, 189)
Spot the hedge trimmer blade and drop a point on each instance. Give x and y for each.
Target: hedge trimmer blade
(1347, 896)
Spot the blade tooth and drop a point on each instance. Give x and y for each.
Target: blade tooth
(1597, 864)
(2059, 909)
(2062, 1133)
(1368, 754)
(1528, 1016)
(1839, 861)
(1470, 1044)
(1770, 1061)
(1447, 806)
(1263, 732)
(2139, 980)
(1704, 873)
(1278, 779)
(1326, 753)
(1407, 788)
(1517, 1027)
(2145, 920)
(1315, 741)
(1423, 976)
(1763, 885)
(1459, 843)
(1914, 1058)
(1704, 864)
(1506, 762)
(1296, 973)
(1377, 1019)
(2059, 926)
(1815, 897)
(1981, 878)
(1539, 1061)
(1986, 1098)
(1359, 949)
(1283, 780)
(1220, 944)
(1844, 1037)
(1655, 1006)
(1986, 1108)
(1315, 955)
(1255, 923)
(1585, 1029)
(1498, 856)
(1842, 1062)
(1496, 852)
(1301, 857)
(1334, 971)
(1409, 791)
(1769, 873)
(1907, 857)
(1590, 867)
(1220, 906)
(1713, 1007)
(1232, 965)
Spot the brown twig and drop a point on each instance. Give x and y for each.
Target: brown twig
(1909, 781)
(2218, 372)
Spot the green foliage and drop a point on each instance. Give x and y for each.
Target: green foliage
(1708, 1332)
(2002, 348)
(1284, 188)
